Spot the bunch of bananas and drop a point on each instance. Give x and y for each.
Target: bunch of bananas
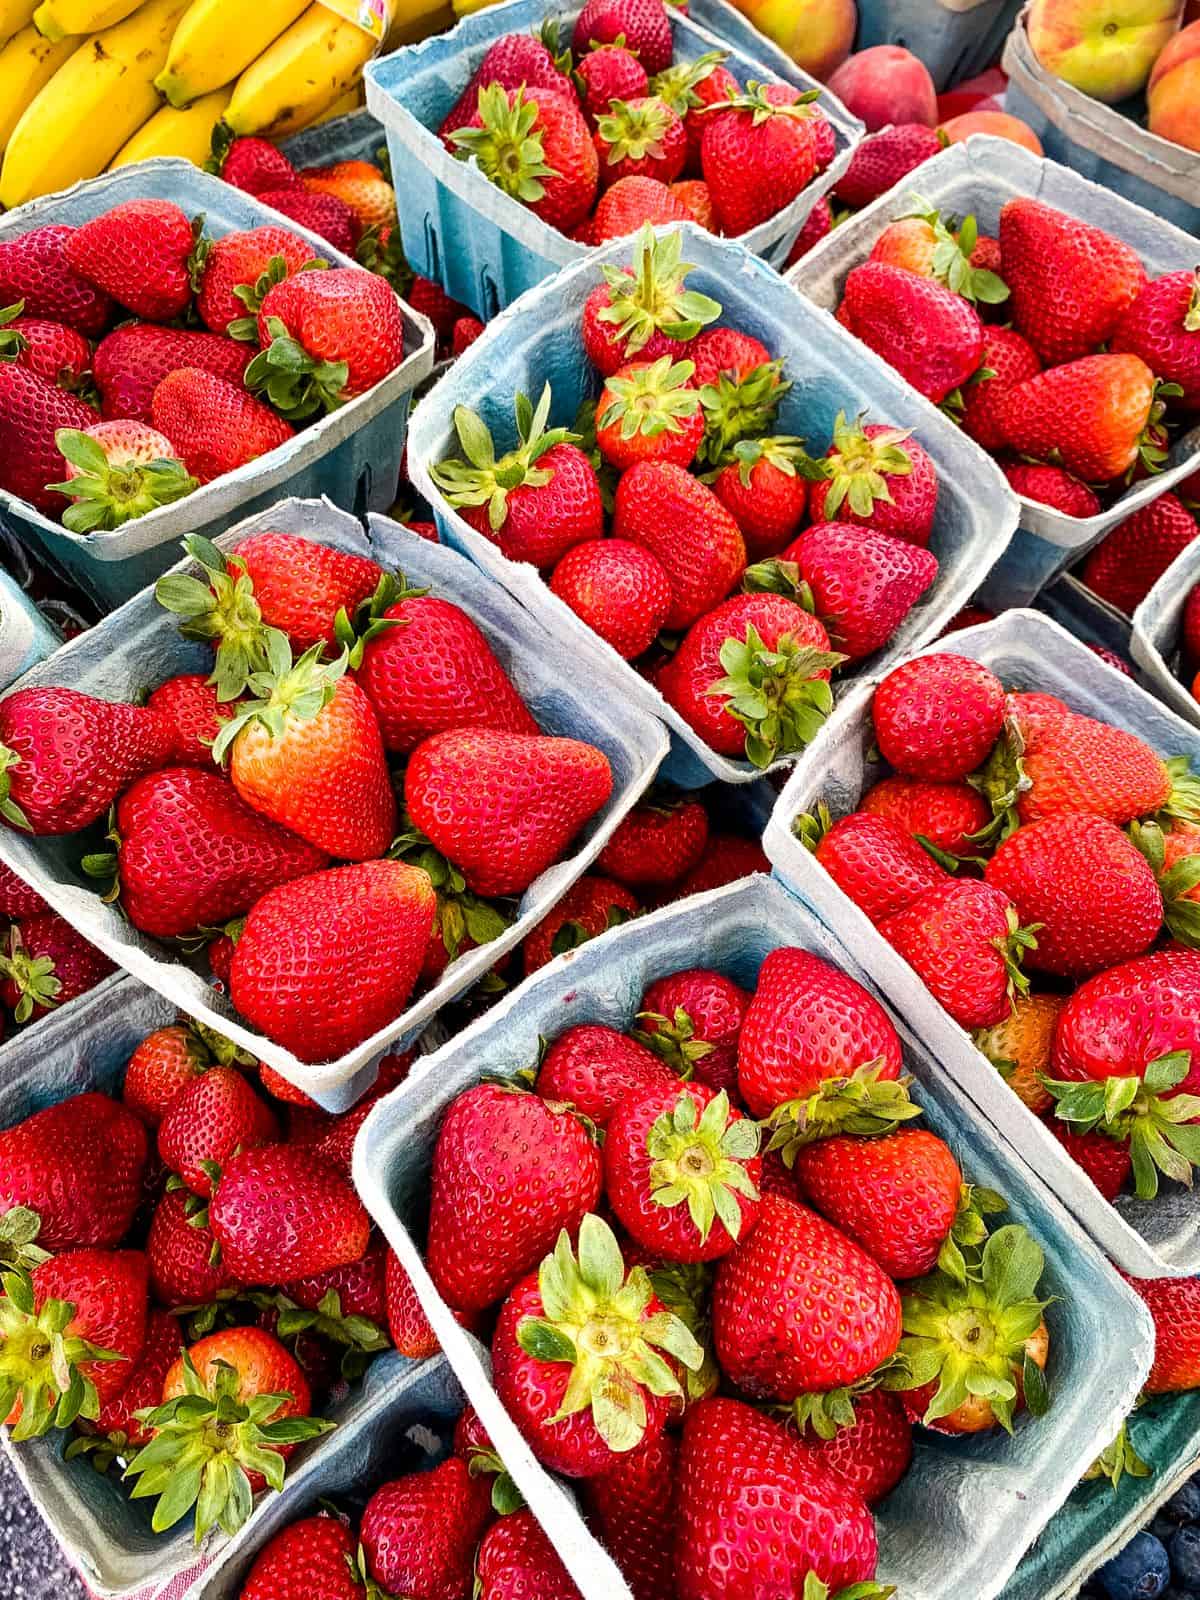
(91, 84)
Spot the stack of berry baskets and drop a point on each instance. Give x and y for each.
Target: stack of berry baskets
(732, 414)
(1074, 262)
(459, 107)
(233, 452)
(513, 780)
(1166, 637)
(763, 1004)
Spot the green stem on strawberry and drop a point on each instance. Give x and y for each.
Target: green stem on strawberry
(508, 148)
(1181, 912)
(33, 976)
(776, 693)
(858, 466)
(959, 1255)
(775, 576)
(754, 98)
(827, 1413)
(677, 84)
(1154, 442)
(673, 1040)
(460, 914)
(506, 1496)
(1183, 802)
(283, 690)
(783, 451)
(295, 383)
(685, 1288)
(863, 1105)
(700, 1162)
(218, 608)
(952, 252)
(481, 479)
(634, 131)
(19, 1249)
(105, 495)
(815, 1589)
(253, 294)
(740, 408)
(1160, 1128)
(40, 1362)
(12, 340)
(654, 299)
(1012, 947)
(358, 1336)
(1118, 1460)
(652, 400)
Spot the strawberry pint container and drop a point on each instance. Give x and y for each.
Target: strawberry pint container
(352, 455)
(1145, 1238)
(107, 1536)
(977, 178)
(1156, 628)
(485, 248)
(539, 340)
(960, 1520)
(140, 646)
(25, 635)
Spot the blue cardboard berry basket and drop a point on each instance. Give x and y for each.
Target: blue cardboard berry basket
(539, 340)
(484, 248)
(961, 1519)
(26, 637)
(352, 455)
(1146, 1238)
(1155, 642)
(140, 646)
(978, 177)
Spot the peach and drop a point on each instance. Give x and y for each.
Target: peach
(997, 123)
(1105, 48)
(1174, 93)
(886, 84)
(817, 34)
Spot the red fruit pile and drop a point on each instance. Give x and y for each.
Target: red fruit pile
(733, 569)
(110, 408)
(611, 134)
(348, 811)
(1040, 871)
(775, 1228)
(44, 962)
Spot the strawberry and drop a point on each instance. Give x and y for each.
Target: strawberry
(117, 1426)
(52, 350)
(1051, 486)
(896, 1196)
(419, 1532)
(1071, 282)
(503, 806)
(1107, 1163)
(17, 899)
(922, 243)
(217, 1115)
(594, 1069)
(728, 352)
(689, 87)
(643, 25)
(215, 426)
(78, 1166)
(873, 1452)
(536, 501)
(589, 908)
(32, 413)
(280, 1213)
(1019, 1045)
(1174, 1303)
(649, 411)
(752, 677)
(581, 1401)
(132, 361)
(192, 854)
(46, 964)
(757, 155)
(514, 61)
(877, 477)
(233, 1375)
(618, 588)
(640, 138)
(872, 859)
(251, 164)
(1161, 325)
(141, 253)
(607, 73)
(313, 1557)
(516, 1561)
(181, 1249)
(938, 716)
(190, 709)
(164, 1064)
(752, 1499)
(681, 1171)
(692, 1020)
(630, 1509)
(34, 267)
(694, 194)
(1129, 561)
(509, 1172)
(323, 214)
(432, 301)
(687, 529)
(360, 185)
(930, 335)
(632, 203)
(965, 942)
(325, 337)
(466, 331)
(72, 1333)
(656, 843)
(534, 144)
(329, 959)
(946, 814)
(817, 225)
(407, 1323)
(343, 1308)
(765, 489)
(646, 311)
(1108, 401)
(727, 857)
(117, 471)
(240, 269)
(473, 1444)
(883, 159)
(1010, 359)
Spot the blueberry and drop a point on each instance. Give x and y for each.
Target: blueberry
(1184, 1504)
(1163, 1527)
(1141, 1571)
(1185, 1557)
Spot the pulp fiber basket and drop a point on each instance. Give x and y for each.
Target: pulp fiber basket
(1155, 642)
(539, 340)
(140, 646)
(1146, 1238)
(959, 1522)
(483, 247)
(978, 177)
(352, 455)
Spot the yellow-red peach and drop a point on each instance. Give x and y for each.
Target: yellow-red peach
(817, 34)
(997, 123)
(1105, 48)
(886, 84)
(1174, 93)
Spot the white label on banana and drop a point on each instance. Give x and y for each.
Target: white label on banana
(372, 16)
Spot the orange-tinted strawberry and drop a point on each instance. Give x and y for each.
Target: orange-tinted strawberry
(618, 588)
(180, 1249)
(649, 411)
(1019, 1046)
(34, 267)
(645, 312)
(534, 144)
(930, 335)
(1091, 415)
(1051, 486)
(241, 268)
(765, 490)
(1129, 561)
(946, 814)
(50, 349)
(873, 859)
(313, 1557)
(1010, 359)
(350, 329)
(139, 252)
(32, 411)
(45, 963)
(515, 1558)
(1106, 1161)
(694, 193)
(883, 159)
(360, 186)
(215, 1116)
(589, 908)
(607, 73)
(214, 426)
(878, 477)
(874, 1452)
(631, 203)
(923, 243)
(757, 152)
(1174, 1303)
(863, 583)
(938, 716)
(1163, 327)
(78, 1165)
(116, 471)
(594, 1068)
(964, 941)
(419, 1533)
(656, 843)
(687, 529)
(643, 24)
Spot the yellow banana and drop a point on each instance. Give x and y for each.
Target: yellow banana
(313, 64)
(59, 18)
(417, 19)
(96, 100)
(14, 14)
(27, 64)
(352, 100)
(216, 41)
(173, 132)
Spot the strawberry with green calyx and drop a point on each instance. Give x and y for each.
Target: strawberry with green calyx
(689, 86)
(646, 312)
(947, 255)
(974, 1350)
(1118, 1460)
(650, 412)
(872, 859)
(219, 607)
(47, 964)
(357, 1336)
(296, 384)
(585, 1357)
(877, 476)
(609, 72)
(864, 1104)
(473, 1443)
(757, 151)
(1175, 861)
(740, 406)
(764, 485)
(590, 907)
(252, 295)
(1140, 1111)
(534, 144)
(815, 1589)
(685, 1288)
(642, 138)
(19, 1249)
(463, 920)
(113, 482)
(692, 1020)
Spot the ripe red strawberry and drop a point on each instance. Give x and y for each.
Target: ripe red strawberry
(938, 716)
(215, 426)
(509, 1172)
(350, 330)
(419, 1532)
(649, 411)
(536, 501)
(681, 1171)
(162, 1066)
(132, 361)
(346, 1304)
(964, 941)
(534, 144)
(51, 349)
(193, 715)
(17, 899)
(757, 155)
(215, 1116)
(1163, 327)
(874, 1452)
(727, 857)
(879, 477)
(1174, 1303)
(930, 335)
(407, 1323)
(756, 643)
(503, 806)
(863, 583)
(874, 860)
(253, 165)
(1106, 1162)
(687, 529)
(280, 1213)
(1051, 486)
(594, 1069)
(643, 25)
(313, 1557)
(329, 959)
(645, 312)
(692, 1019)
(630, 1507)
(611, 1408)
(239, 272)
(631, 203)
(656, 843)
(32, 411)
(589, 908)
(45, 964)
(609, 73)
(516, 1561)
(946, 814)
(139, 252)
(690, 86)
(466, 331)
(728, 352)
(1129, 561)
(323, 214)
(883, 159)
(765, 490)
(34, 268)
(752, 1498)
(1010, 359)
(818, 223)
(78, 1165)
(117, 1425)
(515, 60)
(180, 1249)
(640, 138)
(1071, 283)
(1091, 415)
(618, 588)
